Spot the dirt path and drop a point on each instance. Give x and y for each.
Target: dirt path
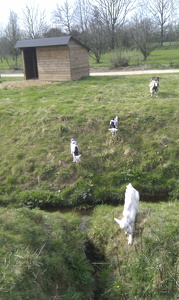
(24, 83)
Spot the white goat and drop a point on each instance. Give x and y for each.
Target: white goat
(154, 86)
(129, 213)
(113, 125)
(75, 150)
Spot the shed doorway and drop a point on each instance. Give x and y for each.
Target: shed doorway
(30, 63)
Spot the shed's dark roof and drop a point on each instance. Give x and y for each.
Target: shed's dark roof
(54, 41)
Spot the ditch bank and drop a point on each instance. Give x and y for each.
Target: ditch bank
(52, 202)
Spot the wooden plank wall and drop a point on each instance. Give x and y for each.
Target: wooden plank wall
(79, 58)
(62, 63)
(53, 63)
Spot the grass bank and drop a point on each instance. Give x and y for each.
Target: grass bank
(37, 123)
(148, 269)
(48, 256)
(42, 257)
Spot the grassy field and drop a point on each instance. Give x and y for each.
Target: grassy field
(38, 122)
(71, 254)
(162, 58)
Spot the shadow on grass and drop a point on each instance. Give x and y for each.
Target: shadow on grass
(167, 95)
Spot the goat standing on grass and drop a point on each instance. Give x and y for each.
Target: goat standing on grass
(75, 151)
(129, 213)
(154, 86)
(113, 125)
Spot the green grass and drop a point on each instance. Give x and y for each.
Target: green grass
(37, 124)
(148, 269)
(45, 255)
(162, 58)
(11, 64)
(10, 79)
(42, 256)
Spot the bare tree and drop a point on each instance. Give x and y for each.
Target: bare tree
(4, 50)
(13, 34)
(162, 11)
(96, 36)
(114, 13)
(172, 32)
(144, 35)
(83, 14)
(34, 22)
(53, 32)
(64, 16)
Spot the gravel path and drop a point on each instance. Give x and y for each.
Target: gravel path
(138, 72)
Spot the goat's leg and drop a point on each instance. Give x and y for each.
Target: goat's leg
(74, 159)
(130, 238)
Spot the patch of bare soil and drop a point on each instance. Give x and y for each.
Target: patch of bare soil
(24, 83)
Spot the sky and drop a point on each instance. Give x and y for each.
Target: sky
(17, 6)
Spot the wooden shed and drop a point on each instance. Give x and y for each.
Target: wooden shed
(55, 59)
